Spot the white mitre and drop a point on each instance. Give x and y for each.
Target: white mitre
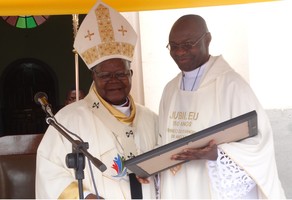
(104, 34)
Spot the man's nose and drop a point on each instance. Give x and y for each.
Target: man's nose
(180, 50)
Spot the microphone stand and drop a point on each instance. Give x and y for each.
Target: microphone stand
(76, 159)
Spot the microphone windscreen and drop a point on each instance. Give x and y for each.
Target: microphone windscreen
(38, 96)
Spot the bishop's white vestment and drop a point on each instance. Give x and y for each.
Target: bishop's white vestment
(222, 94)
(92, 121)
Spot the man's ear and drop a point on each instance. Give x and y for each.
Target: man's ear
(208, 38)
(92, 74)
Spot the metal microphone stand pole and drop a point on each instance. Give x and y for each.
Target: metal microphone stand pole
(76, 159)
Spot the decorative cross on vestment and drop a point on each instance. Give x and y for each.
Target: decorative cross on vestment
(128, 143)
(129, 133)
(95, 105)
(130, 151)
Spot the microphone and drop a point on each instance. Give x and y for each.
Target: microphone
(42, 99)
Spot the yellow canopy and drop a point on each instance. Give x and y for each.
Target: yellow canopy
(60, 7)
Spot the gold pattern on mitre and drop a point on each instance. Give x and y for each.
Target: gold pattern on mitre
(105, 34)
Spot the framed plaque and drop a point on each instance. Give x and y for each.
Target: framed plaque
(158, 159)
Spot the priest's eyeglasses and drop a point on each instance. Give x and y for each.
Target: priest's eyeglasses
(120, 75)
(186, 45)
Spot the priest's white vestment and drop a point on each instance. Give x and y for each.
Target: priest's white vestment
(90, 120)
(222, 94)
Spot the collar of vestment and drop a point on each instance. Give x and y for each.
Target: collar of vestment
(194, 73)
(117, 113)
(191, 79)
(121, 127)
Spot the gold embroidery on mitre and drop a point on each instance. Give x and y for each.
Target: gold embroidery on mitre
(108, 44)
(104, 24)
(90, 55)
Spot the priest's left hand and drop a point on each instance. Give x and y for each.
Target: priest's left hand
(143, 180)
(208, 152)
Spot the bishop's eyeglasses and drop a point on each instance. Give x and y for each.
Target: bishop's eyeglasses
(186, 45)
(120, 75)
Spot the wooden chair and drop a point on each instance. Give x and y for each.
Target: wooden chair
(18, 165)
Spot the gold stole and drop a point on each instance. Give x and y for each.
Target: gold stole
(116, 113)
(124, 132)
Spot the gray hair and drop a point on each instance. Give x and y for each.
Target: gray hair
(126, 62)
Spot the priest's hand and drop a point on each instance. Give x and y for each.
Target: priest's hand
(208, 152)
(143, 180)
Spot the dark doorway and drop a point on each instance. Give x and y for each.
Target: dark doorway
(20, 81)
